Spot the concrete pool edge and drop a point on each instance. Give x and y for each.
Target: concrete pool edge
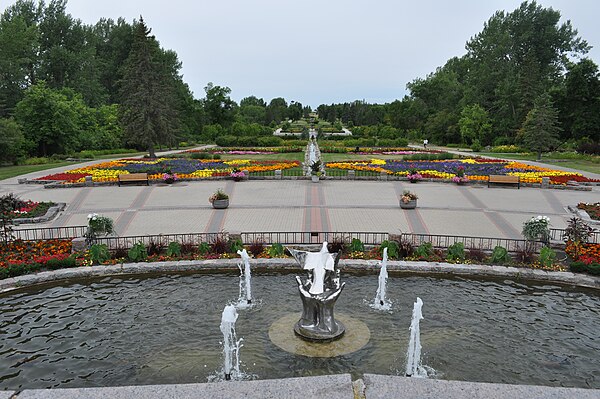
(339, 386)
(349, 266)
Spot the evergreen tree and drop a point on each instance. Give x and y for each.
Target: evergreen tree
(148, 115)
(540, 131)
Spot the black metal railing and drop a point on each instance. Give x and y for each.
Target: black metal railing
(470, 242)
(49, 233)
(314, 237)
(558, 235)
(162, 240)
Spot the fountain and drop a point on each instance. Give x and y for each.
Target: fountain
(87, 332)
(245, 297)
(380, 303)
(319, 294)
(231, 345)
(413, 354)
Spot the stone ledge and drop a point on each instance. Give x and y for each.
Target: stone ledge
(350, 266)
(6, 394)
(385, 387)
(329, 387)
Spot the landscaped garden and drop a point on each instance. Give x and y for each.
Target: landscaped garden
(194, 165)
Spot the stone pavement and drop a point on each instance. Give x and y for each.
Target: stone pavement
(303, 206)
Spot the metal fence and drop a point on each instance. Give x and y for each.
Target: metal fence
(162, 240)
(49, 233)
(558, 235)
(470, 242)
(315, 237)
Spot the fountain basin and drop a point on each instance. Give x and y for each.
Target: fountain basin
(124, 330)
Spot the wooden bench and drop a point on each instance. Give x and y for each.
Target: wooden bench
(134, 178)
(504, 179)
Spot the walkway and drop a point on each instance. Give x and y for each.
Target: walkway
(299, 205)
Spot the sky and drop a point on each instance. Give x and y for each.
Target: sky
(320, 51)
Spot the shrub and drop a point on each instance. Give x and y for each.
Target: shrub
(120, 253)
(405, 249)
(219, 246)
(337, 245)
(256, 247)
(201, 155)
(357, 246)
(276, 250)
(578, 267)
(476, 146)
(577, 230)
(393, 249)
(155, 248)
(60, 262)
(36, 161)
(525, 255)
(188, 248)
(204, 248)
(594, 269)
(456, 252)
(137, 253)
(174, 249)
(477, 255)
(547, 256)
(235, 245)
(99, 253)
(425, 250)
(499, 255)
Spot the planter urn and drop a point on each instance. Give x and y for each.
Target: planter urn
(220, 204)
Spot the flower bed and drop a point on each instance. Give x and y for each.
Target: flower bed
(20, 257)
(592, 209)
(586, 257)
(189, 169)
(477, 169)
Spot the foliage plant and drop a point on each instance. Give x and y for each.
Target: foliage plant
(218, 195)
(276, 250)
(456, 252)
(174, 249)
(547, 256)
(537, 228)
(315, 168)
(425, 250)
(499, 255)
(408, 196)
(98, 226)
(392, 247)
(138, 252)
(256, 247)
(204, 248)
(357, 245)
(235, 245)
(99, 253)
(577, 231)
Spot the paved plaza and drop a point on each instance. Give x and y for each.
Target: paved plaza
(303, 206)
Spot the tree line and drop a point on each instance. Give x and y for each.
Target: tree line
(524, 68)
(66, 86)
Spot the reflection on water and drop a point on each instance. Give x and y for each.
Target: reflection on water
(127, 331)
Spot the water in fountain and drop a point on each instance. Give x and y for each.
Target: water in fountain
(231, 345)
(414, 368)
(245, 298)
(380, 302)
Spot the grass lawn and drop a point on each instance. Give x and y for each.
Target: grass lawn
(587, 164)
(6, 172)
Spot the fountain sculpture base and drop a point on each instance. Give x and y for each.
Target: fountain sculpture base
(319, 335)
